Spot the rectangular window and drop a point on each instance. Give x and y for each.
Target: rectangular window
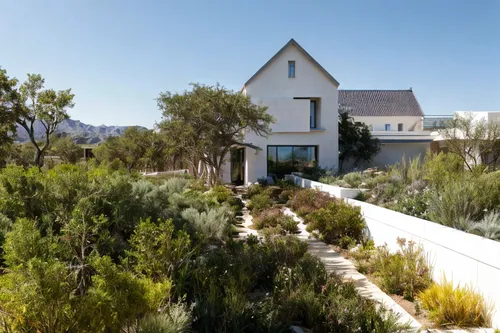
(291, 69)
(283, 160)
(387, 127)
(312, 114)
(400, 127)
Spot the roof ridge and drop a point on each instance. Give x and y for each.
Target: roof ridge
(293, 42)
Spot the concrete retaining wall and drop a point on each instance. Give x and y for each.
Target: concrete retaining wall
(463, 257)
(339, 192)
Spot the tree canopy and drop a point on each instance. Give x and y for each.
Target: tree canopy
(138, 149)
(356, 143)
(67, 150)
(207, 121)
(476, 141)
(9, 107)
(46, 106)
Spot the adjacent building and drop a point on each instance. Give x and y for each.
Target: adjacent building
(394, 117)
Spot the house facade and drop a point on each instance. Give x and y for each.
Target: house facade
(303, 98)
(394, 117)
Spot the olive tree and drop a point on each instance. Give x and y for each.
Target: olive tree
(475, 141)
(205, 122)
(42, 106)
(9, 105)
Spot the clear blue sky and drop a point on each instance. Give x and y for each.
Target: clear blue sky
(117, 55)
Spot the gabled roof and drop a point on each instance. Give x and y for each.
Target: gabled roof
(293, 42)
(380, 103)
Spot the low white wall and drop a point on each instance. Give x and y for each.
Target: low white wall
(336, 191)
(463, 257)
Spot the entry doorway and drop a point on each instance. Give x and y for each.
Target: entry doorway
(238, 166)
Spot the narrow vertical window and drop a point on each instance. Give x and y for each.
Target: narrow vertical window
(387, 127)
(312, 114)
(400, 127)
(291, 69)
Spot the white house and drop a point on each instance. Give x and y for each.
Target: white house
(303, 98)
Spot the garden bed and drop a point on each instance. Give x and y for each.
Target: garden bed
(341, 225)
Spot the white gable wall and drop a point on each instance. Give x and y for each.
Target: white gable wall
(273, 88)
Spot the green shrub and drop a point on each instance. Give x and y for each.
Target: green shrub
(339, 223)
(285, 196)
(405, 272)
(415, 203)
(198, 185)
(455, 202)
(363, 256)
(408, 170)
(254, 189)
(236, 204)
(213, 224)
(442, 168)
(448, 305)
(306, 201)
(260, 202)
(273, 192)
(267, 218)
(328, 179)
(176, 185)
(354, 179)
(288, 224)
(176, 318)
(488, 198)
(488, 227)
(221, 193)
(274, 217)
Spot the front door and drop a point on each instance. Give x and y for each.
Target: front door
(238, 166)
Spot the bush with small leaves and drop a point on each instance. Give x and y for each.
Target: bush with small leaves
(221, 193)
(406, 272)
(339, 223)
(267, 218)
(306, 201)
(260, 202)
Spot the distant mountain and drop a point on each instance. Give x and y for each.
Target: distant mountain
(80, 132)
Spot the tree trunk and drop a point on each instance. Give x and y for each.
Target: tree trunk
(38, 157)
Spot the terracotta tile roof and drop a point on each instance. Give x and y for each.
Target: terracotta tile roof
(380, 103)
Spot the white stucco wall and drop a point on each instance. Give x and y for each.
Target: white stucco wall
(296, 111)
(378, 123)
(391, 153)
(273, 85)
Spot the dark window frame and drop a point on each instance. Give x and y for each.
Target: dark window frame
(276, 161)
(291, 63)
(313, 116)
(400, 125)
